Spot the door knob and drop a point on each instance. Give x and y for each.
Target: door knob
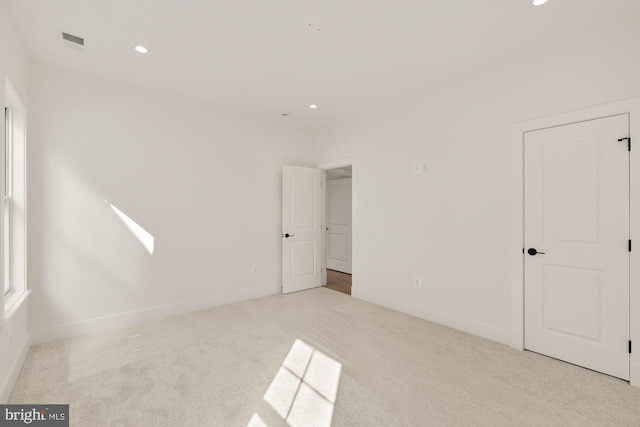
(288, 235)
(534, 251)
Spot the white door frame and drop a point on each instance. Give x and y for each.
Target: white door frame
(630, 106)
(350, 161)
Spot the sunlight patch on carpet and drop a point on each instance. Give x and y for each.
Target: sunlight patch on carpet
(305, 388)
(256, 421)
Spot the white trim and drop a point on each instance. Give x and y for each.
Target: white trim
(349, 161)
(9, 383)
(463, 324)
(13, 302)
(630, 106)
(121, 320)
(323, 219)
(19, 287)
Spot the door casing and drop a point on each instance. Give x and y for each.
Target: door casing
(631, 107)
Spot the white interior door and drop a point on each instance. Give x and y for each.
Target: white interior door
(301, 228)
(577, 218)
(339, 225)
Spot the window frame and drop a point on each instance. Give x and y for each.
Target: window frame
(13, 180)
(6, 204)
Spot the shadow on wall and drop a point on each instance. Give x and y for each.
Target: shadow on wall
(84, 252)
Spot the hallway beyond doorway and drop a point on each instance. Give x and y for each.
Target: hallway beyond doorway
(338, 281)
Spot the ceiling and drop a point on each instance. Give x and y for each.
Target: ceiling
(270, 57)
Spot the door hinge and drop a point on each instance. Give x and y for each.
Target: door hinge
(629, 245)
(628, 139)
(629, 347)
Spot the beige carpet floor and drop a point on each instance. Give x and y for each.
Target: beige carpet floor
(313, 358)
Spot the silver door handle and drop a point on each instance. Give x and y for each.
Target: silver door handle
(286, 236)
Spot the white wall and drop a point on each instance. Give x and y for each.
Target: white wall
(450, 225)
(205, 183)
(14, 336)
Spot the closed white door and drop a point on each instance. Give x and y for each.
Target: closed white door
(339, 225)
(301, 228)
(577, 220)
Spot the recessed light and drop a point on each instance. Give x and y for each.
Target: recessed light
(141, 49)
(284, 114)
(313, 106)
(539, 2)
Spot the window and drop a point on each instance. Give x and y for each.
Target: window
(13, 210)
(6, 204)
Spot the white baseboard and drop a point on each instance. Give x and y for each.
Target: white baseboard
(464, 324)
(517, 339)
(120, 320)
(7, 387)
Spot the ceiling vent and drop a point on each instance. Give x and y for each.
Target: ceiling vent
(73, 39)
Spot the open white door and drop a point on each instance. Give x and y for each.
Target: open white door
(339, 225)
(301, 228)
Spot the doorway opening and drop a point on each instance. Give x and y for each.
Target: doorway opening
(338, 229)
